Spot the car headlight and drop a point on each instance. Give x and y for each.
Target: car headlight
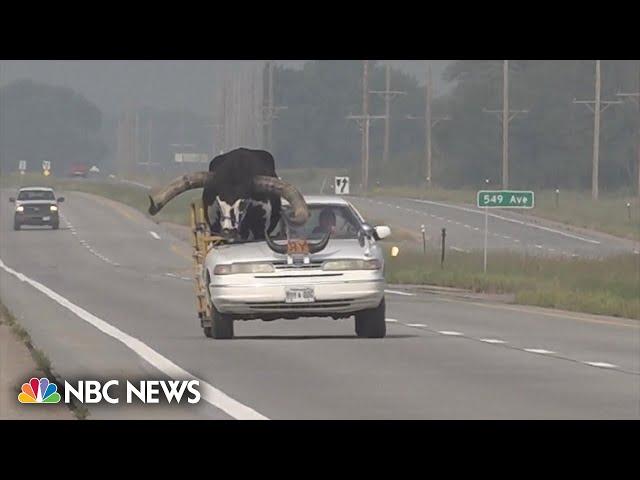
(53, 208)
(19, 208)
(374, 264)
(228, 269)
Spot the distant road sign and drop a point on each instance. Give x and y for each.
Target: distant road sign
(46, 165)
(191, 158)
(505, 199)
(22, 165)
(341, 185)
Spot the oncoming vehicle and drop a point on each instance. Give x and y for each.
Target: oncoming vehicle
(36, 206)
(263, 280)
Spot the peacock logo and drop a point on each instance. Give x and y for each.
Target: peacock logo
(39, 391)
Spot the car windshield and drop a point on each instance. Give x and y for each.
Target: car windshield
(36, 195)
(339, 219)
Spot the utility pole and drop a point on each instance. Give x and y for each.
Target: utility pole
(635, 97)
(507, 116)
(388, 96)
(429, 123)
(599, 106)
(364, 122)
(270, 110)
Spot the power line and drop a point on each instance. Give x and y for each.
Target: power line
(599, 106)
(429, 123)
(364, 122)
(635, 97)
(388, 96)
(507, 116)
(270, 109)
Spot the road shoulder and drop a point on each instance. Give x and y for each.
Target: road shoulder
(17, 366)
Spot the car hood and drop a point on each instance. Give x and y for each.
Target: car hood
(35, 202)
(260, 252)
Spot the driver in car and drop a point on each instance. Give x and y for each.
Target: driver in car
(327, 221)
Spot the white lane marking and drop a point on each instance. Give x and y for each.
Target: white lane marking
(476, 228)
(516, 240)
(491, 340)
(391, 320)
(137, 184)
(209, 393)
(396, 292)
(601, 364)
(185, 278)
(457, 249)
(532, 225)
(538, 246)
(416, 325)
(506, 237)
(171, 275)
(541, 351)
(448, 332)
(154, 235)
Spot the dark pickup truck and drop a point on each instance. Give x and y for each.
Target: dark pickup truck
(36, 206)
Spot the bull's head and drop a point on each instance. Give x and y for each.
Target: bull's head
(231, 214)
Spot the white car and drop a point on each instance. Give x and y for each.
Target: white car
(250, 280)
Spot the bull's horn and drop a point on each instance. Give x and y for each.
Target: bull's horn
(177, 186)
(299, 208)
(317, 246)
(276, 247)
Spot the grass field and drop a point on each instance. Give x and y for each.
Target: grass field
(609, 287)
(609, 214)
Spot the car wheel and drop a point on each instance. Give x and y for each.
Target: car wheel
(371, 323)
(55, 226)
(16, 226)
(221, 325)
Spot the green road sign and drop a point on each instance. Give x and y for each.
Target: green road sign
(505, 199)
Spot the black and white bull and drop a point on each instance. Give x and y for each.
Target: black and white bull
(241, 194)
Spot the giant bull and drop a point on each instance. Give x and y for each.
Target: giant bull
(242, 192)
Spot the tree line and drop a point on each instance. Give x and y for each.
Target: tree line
(550, 146)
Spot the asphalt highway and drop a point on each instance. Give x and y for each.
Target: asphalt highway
(109, 295)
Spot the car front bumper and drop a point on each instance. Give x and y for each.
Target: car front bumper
(49, 218)
(265, 298)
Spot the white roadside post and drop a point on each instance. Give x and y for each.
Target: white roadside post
(486, 236)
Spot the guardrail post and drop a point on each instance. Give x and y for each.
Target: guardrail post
(424, 239)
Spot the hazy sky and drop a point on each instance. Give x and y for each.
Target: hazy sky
(116, 84)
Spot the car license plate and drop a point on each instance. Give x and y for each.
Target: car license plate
(299, 295)
(45, 219)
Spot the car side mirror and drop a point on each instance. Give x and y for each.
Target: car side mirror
(60, 199)
(382, 231)
(12, 199)
(369, 231)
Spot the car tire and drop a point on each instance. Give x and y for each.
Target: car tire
(371, 323)
(16, 226)
(221, 325)
(55, 226)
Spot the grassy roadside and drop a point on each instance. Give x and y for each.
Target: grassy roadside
(606, 287)
(39, 357)
(609, 214)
